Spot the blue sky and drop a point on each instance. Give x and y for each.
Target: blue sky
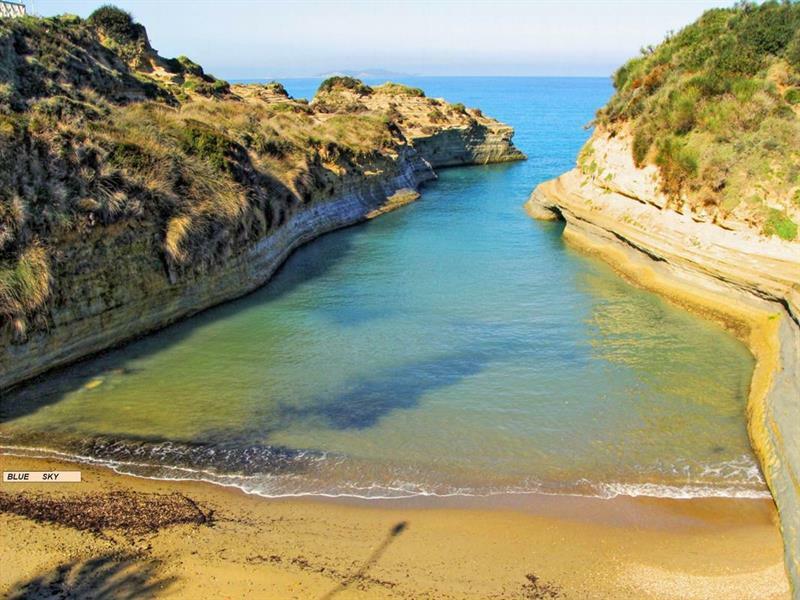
(258, 38)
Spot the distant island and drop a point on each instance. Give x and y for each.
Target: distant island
(368, 74)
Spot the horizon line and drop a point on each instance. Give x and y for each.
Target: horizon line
(404, 76)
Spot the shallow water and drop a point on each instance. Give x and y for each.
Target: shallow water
(452, 347)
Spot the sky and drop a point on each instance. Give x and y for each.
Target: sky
(236, 39)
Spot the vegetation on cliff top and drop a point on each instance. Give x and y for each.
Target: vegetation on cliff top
(715, 107)
(347, 83)
(100, 135)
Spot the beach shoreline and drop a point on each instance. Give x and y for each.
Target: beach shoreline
(244, 545)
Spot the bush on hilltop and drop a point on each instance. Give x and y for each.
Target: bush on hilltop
(348, 83)
(117, 24)
(715, 108)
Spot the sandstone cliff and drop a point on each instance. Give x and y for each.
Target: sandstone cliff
(690, 186)
(748, 282)
(137, 190)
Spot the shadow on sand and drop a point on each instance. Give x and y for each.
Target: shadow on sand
(373, 558)
(105, 577)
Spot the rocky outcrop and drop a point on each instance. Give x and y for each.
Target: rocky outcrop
(113, 286)
(444, 134)
(748, 282)
(474, 144)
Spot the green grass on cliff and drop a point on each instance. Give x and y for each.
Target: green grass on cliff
(715, 107)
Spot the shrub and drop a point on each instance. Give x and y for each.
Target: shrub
(401, 89)
(172, 65)
(745, 89)
(189, 66)
(199, 139)
(623, 74)
(793, 50)
(350, 83)
(208, 86)
(730, 56)
(276, 147)
(130, 156)
(682, 111)
(767, 28)
(277, 88)
(711, 83)
(220, 86)
(677, 163)
(792, 95)
(117, 24)
(778, 223)
(642, 141)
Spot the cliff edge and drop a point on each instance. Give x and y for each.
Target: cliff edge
(136, 190)
(690, 186)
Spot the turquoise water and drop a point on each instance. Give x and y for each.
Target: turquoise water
(452, 347)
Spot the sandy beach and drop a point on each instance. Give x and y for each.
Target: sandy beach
(125, 537)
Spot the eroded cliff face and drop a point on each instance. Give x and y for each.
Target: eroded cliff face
(444, 134)
(137, 190)
(725, 271)
(474, 144)
(114, 284)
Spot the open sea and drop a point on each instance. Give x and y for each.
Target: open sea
(453, 347)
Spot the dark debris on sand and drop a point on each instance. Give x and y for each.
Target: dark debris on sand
(536, 589)
(134, 512)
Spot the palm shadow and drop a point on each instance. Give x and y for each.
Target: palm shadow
(106, 577)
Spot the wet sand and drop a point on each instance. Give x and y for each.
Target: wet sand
(203, 541)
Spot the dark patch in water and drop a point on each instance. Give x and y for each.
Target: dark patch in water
(363, 404)
(352, 315)
(365, 401)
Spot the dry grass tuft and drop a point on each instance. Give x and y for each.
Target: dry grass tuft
(25, 283)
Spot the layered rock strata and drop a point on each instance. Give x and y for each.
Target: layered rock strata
(114, 288)
(746, 281)
(136, 190)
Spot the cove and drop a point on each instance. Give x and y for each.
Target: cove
(451, 347)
